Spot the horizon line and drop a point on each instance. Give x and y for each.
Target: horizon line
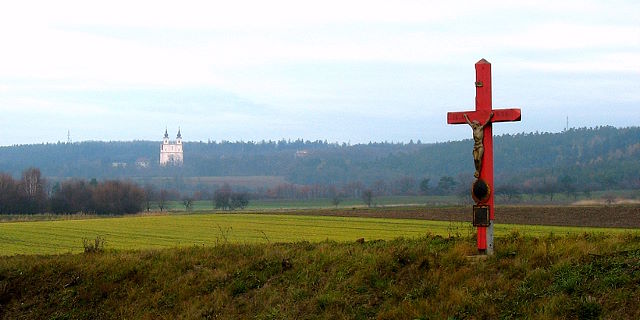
(289, 140)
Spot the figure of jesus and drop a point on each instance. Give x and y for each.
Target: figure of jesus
(478, 137)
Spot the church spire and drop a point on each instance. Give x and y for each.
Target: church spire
(166, 134)
(179, 136)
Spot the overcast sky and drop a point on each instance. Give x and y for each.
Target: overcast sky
(342, 71)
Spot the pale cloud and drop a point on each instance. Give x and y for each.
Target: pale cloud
(292, 62)
(25, 107)
(560, 36)
(254, 33)
(622, 62)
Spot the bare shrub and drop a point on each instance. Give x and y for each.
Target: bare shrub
(93, 246)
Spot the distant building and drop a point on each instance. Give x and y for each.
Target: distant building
(302, 153)
(118, 164)
(142, 163)
(171, 153)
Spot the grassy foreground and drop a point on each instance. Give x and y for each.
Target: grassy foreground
(582, 276)
(184, 230)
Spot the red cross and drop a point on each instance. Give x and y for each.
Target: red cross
(481, 114)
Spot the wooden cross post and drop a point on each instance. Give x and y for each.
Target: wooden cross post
(481, 121)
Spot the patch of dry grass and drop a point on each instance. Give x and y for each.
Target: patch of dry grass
(583, 276)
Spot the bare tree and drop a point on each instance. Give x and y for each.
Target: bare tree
(222, 197)
(8, 194)
(367, 197)
(32, 187)
(162, 199)
(72, 196)
(239, 200)
(549, 187)
(187, 202)
(149, 196)
(335, 200)
(509, 192)
(117, 197)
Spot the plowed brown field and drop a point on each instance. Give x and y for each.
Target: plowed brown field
(622, 216)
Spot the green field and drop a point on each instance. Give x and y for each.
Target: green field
(412, 200)
(207, 229)
(268, 204)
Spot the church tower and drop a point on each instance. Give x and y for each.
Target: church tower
(166, 137)
(171, 153)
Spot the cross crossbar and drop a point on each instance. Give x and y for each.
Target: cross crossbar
(499, 115)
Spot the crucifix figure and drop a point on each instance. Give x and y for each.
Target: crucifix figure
(483, 151)
(478, 146)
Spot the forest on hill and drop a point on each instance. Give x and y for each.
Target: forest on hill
(580, 159)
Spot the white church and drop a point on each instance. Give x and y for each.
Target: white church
(171, 153)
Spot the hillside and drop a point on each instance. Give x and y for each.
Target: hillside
(580, 277)
(600, 158)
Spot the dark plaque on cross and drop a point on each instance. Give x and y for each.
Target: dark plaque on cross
(481, 121)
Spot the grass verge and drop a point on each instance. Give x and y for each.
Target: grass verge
(579, 276)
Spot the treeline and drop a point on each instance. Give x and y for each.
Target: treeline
(106, 197)
(31, 194)
(222, 197)
(27, 195)
(547, 187)
(596, 158)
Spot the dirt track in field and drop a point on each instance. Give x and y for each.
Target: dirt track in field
(620, 216)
